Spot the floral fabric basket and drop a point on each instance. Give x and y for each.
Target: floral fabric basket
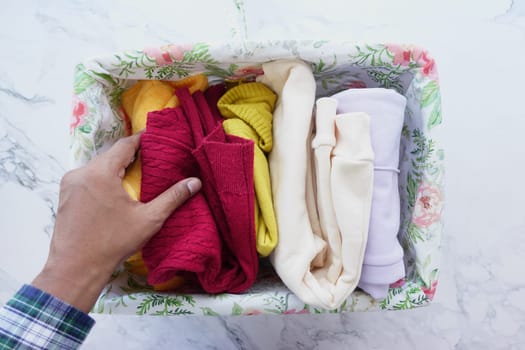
(97, 123)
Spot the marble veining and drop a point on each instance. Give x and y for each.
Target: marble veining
(15, 94)
(22, 163)
(478, 46)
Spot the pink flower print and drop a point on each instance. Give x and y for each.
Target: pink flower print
(250, 312)
(249, 73)
(166, 54)
(429, 292)
(356, 84)
(158, 55)
(428, 65)
(404, 55)
(428, 205)
(295, 312)
(177, 51)
(401, 55)
(398, 284)
(80, 109)
(166, 57)
(251, 70)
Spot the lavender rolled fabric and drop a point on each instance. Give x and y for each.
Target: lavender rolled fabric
(383, 261)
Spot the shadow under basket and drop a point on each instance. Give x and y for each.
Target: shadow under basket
(97, 123)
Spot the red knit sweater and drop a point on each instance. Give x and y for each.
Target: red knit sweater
(213, 233)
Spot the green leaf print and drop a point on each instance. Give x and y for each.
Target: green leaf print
(433, 276)
(199, 53)
(206, 311)
(278, 303)
(405, 132)
(82, 79)
(130, 61)
(236, 309)
(413, 233)
(429, 94)
(101, 301)
(322, 67)
(318, 44)
(422, 153)
(327, 73)
(86, 128)
(170, 305)
(392, 293)
(435, 116)
(412, 186)
(116, 90)
(378, 63)
(410, 298)
(375, 56)
(413, 297)
(216, 70)
(318, 67)
(388, 79)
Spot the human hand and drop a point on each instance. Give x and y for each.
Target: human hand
(98, 225)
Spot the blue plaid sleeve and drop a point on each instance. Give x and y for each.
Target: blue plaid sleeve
(33, 319)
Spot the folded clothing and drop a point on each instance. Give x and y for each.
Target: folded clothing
(294, 84)
(143, 97)
(343, 163)
(248, 109)
(225, 165)
(189, 239)
(213, 235)
(383, 261)
(299, 247)
(148, 96)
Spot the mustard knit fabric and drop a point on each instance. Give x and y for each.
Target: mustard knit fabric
(248, 110)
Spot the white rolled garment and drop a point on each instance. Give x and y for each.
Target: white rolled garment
(301, 255)
(383, 262)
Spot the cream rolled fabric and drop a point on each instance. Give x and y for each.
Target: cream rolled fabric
(352, 179)
(329, 270)
(304, 257)
(344, 174)
(294, 84)
(383, 261)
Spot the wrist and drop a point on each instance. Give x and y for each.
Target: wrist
(77, 286)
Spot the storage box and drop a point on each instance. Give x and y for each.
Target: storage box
(97, 123)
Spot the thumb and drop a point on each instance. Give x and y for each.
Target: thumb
(173, 197)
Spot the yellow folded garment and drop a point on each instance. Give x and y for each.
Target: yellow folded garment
(136, 265)
(248, 111)
(137, 101)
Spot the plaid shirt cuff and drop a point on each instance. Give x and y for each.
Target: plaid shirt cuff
(33, 319)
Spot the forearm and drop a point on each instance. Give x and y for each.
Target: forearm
(77, 286)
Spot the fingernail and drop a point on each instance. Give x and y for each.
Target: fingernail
(194, 185)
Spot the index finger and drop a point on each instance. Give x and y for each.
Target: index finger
(122, 153)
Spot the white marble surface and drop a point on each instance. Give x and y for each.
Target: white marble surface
(479, 47)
